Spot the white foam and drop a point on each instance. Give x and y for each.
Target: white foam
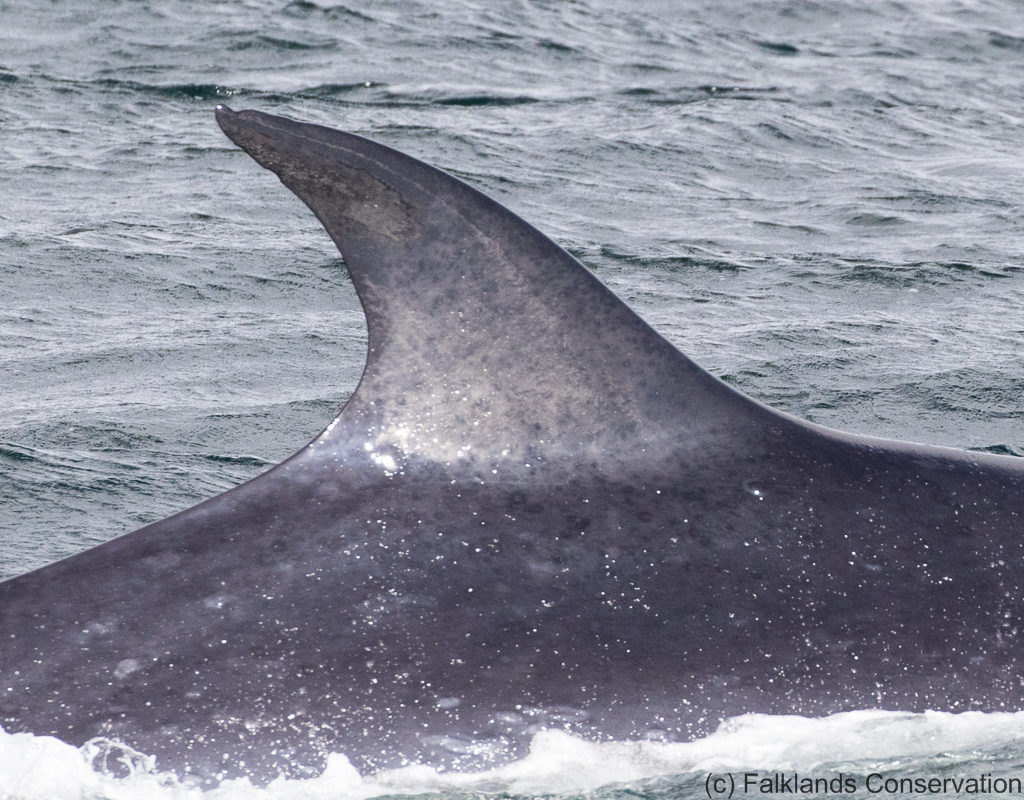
(38, 767)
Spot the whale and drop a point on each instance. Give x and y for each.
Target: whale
(533, 513)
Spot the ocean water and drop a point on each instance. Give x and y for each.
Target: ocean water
(820, 202)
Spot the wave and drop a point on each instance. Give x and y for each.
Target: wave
(854, 743)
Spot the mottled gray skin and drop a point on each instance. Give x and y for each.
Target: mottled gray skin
(534, 511)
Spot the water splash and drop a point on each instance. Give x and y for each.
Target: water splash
(557, 764)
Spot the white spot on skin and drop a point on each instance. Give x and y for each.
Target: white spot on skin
(125, 668)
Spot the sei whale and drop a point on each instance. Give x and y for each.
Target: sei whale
(533, 512)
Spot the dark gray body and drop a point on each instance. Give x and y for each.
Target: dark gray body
(533, 512)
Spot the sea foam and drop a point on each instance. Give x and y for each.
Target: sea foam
(557, 764)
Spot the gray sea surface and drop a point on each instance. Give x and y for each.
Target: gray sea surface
(820, 202)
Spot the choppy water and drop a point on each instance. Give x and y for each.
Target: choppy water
(867, 752)
(819, 201)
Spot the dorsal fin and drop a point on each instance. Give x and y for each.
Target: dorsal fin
(486, 339)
